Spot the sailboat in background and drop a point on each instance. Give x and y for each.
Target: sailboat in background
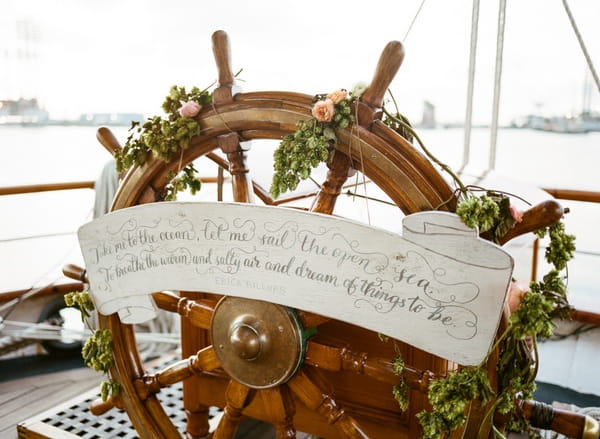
(587, 120)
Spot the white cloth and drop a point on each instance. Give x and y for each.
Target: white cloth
(105, 188)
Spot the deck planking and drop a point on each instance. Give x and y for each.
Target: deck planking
(23, 398)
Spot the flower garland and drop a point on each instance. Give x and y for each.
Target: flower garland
(164, 137)
(97, 350)
(311, 144)
(494, 216)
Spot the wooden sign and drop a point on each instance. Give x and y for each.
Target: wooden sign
(438, 287)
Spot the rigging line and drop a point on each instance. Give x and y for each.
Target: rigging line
(413, 21)
(582, 44)
(46, 235)
(362, 164)
(497, 83)
(470, 84)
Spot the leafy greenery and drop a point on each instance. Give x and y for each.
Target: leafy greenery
(561, 247)
(299, 153)
(400, 390)
(109, 388)
(97, 351)
(490, 213)
(187, 179)
(82, 301)
(311, 144)
(450, 398)
(164, 137)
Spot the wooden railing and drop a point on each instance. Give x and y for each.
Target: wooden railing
(572, 195)
(34, 188)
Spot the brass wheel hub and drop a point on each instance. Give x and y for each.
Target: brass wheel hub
(259, 344)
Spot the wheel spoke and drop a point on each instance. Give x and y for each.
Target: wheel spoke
(204, 361)
(237, 397)
(242, 184)
(199, 312)
(342, 359)
(317, 400)
(193, 341)
(279, 407)
(337, 175)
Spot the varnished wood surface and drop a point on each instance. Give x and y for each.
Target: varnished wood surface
(575, 195)
(28, 189)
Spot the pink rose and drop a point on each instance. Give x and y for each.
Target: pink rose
(516, 291)
(516, 214)
(323, 110)
(190, 109)
(338, 96)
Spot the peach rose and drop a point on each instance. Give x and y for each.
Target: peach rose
(323, 110)
(338, 95)
(516, 214)
(190, 109)
(516, 291)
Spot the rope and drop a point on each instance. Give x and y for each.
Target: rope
(413, 21)
(582, 45)
(497, 82)
(470, 84)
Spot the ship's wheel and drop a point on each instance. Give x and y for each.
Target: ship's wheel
(338, 383)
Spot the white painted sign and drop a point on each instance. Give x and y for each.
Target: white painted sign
(438, 287)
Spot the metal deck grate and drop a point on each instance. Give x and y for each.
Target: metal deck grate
(79, 421)
(76, 419)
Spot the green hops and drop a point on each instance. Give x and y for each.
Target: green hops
(163, 137)
(478, 211)
(81, 300)
(301, 151)
(109, 388)
(450, 397)
(97, 351)
(187, 179)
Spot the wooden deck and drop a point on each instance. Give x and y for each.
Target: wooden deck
(23, 398)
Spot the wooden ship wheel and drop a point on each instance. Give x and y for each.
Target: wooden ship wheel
(337, 383)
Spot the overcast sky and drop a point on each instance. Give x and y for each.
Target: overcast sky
(123, 55)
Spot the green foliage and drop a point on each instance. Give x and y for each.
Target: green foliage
(162, 137)
(394, 121)
(383, 337)
(187, 179)
(97, 351)
(398, 365)
(450, 398)
(561, 247)
(532, 316)
(311, 144)
(490, 212)
(81, 300)
(300, 152)
(400, 390)
(109, 388)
